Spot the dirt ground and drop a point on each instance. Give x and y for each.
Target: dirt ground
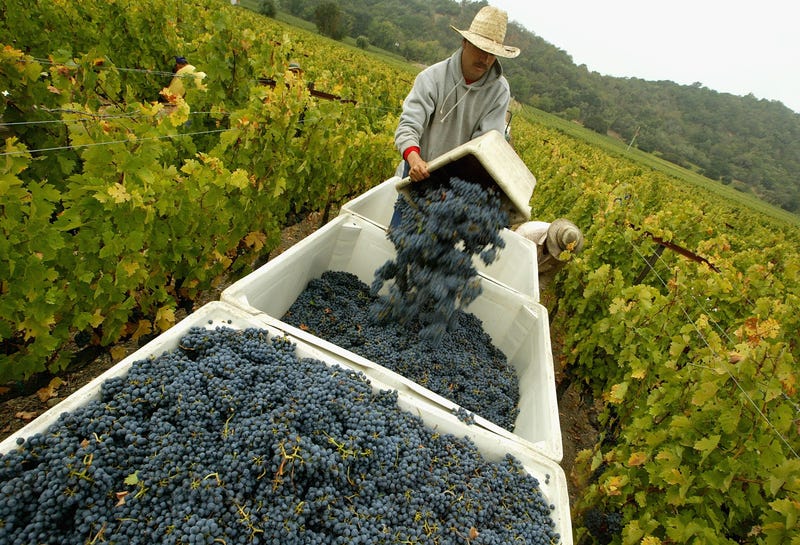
(18, 406)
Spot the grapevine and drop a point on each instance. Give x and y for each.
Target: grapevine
(117, 209)
(695, 366)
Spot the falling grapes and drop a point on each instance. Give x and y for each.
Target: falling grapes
(441, 228)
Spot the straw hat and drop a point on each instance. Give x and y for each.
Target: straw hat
(487, 32)
(560, 234)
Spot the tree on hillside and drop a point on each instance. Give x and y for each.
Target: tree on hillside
(298, 8)
(422, 51)
(329, 20)
(385, 34)
(267, 7)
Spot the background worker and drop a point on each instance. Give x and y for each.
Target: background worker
(182, 72)
(295, 68)
(552, 240)
(457, 99)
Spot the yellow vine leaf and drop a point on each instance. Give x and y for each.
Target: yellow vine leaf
(754, 330)
(280, 186)
(49, 391)
(223, 259)
(36, 327)
(142, 328)
(788, 508)
(97, 318)
(191, 284)
(619, 305)
(706, 445)
(255, 240)
(704, 392)
(674, 476)
(789, 383)
(239, 179)
(214, 163)
(612, 485)
(583, 456)
(617, 393)
(666, 456)
(770, 328)
(11, 52)
(218, 280)
(130, 267)
(118, 353)
(637, 459)
(165, 318)
(118, 193)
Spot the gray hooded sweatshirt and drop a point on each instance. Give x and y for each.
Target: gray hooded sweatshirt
(442, 112)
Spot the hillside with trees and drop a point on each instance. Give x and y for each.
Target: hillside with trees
(751, 144)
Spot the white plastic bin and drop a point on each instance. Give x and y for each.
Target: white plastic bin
(217, 314)
(517, 326)
(375, 205)
(516, 264)
(487, 159)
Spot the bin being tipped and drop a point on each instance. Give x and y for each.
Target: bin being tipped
(489, 160)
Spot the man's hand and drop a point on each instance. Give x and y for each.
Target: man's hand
(418, 167)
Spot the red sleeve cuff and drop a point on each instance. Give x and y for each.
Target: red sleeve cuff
(409, 150)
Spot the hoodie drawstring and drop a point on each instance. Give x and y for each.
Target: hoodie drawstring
(441, 110)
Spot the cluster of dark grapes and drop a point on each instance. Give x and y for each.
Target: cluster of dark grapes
(232, 439)
(603, 526)
(465, 416)
(441, 228)
(464, 366)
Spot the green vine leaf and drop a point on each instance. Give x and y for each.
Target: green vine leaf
(132, 479)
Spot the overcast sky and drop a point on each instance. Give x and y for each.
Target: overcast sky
(729, 46)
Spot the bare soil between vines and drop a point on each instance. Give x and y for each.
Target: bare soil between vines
(21, 405)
